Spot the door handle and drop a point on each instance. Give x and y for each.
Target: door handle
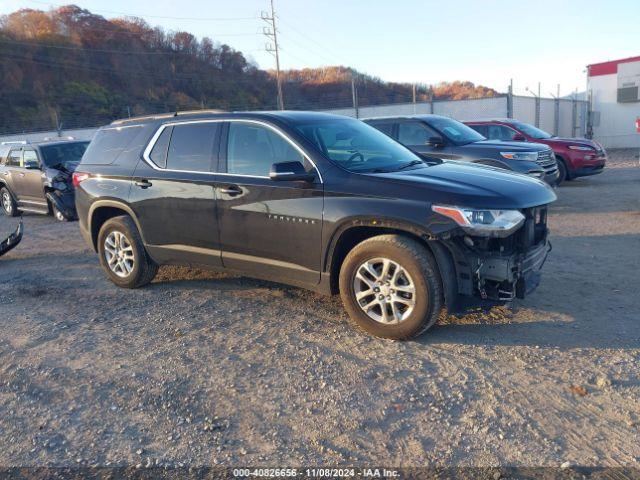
(231, 190)
(143, 183)
(21, 174)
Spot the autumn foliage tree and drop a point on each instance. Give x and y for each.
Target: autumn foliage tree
(81, 69)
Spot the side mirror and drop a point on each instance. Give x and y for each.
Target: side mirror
(518, 137)
(435, 141)
(290, 172)
(32, 165)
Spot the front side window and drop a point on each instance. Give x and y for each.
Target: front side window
(500, 132)
(356, 146)
(253, 148)
(29, 157)
(456, 131)
(532, 131)
(414, 133)
(191, 147)
(15, 158)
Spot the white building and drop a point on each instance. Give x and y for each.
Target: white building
(614, 88)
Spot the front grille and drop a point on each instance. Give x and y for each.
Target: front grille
(547, 160)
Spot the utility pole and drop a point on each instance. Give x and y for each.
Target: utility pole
(272, 34)
(413, 91)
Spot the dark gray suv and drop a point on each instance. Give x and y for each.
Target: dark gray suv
(435, 136)
(36, 177)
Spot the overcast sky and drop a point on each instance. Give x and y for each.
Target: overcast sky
(486, 42)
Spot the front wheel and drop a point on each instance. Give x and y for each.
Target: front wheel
(57, 214)
(122, 254)
(390, 287)
(563, 174)
(9, 206)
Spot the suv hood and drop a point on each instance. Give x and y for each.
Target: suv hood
(512, 146)
(574, 141)
(471, 185)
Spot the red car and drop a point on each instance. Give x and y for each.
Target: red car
(577, 157)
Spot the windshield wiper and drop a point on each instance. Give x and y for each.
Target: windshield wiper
(410, 164)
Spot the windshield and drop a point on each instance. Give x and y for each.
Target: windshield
(454, 130)
(531, 131)
(356, 146)
(66, 154)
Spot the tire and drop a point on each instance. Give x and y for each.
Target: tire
(134, 268)
(9, 206)
(416, 261)
(563, 172)
(57, 214)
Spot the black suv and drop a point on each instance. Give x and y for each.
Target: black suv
(320, 201)
(435, 136)
(36, 177)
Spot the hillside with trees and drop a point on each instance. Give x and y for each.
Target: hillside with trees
(70, 66)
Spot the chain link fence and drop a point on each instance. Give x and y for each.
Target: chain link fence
(560, 116)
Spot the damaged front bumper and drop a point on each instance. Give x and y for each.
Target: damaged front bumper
(12, 240)
(496, 270)
(504, 278)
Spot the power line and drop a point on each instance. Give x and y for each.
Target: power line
(208, 19)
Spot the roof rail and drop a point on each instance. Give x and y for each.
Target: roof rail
(16, 142)
(194, 112)
(143, 117)
(159, 116)
(50, 139)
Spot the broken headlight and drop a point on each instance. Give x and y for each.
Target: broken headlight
(481, 222)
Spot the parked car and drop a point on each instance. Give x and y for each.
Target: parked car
(435, 136)
(577, 157)
(36, 177)
(321, 201)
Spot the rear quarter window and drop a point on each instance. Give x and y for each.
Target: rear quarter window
(109, 142)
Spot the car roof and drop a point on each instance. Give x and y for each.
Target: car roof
(42, 143)
(288, 116)
(419, 116)
(489, 120)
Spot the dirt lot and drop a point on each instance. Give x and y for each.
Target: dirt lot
(201, 368)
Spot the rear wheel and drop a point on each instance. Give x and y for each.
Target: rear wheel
(122, 254)
(9, 206)
(390, 287)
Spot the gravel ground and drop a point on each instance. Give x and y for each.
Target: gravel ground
(202, 368)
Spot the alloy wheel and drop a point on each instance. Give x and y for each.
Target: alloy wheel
(384, 290)
(7, 203)
(119, 254)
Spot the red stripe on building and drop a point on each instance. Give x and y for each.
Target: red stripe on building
(608, 68)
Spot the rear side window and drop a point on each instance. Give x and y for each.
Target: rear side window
(109, 143)
(386, 128)
(14, 158)
(192, 147)
(4, 151)
(481, 129)
(252, 149)
(158, 154)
